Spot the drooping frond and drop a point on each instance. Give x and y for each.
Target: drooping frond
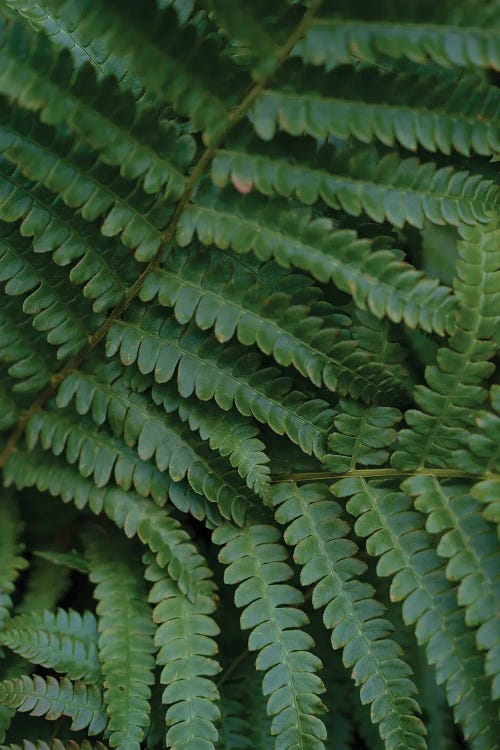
(328, 561)
(233, 376)
(154, 526)
(256, 563)
(64, 640)
(11, 562)
(55, 698)
(266, 305)
(46, 585)
(125, 636)
(373, 272)
(185, 639)
(442, 113)
(470, 544)
(455, 386)
(360, 180)
(331, 41)
(396, 534)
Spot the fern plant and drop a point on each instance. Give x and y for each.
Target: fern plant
(250, 423)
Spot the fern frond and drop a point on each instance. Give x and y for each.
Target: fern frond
(233, 376)
(46, 585)
(482, 454)
(11, 562)
(396, 534)
(155, 434)
(361, 180)
(235, 731)
(125, 636)
(471, 546)
(64, 640)
(10, 411)
(372, 272)
(456, 384)
(22, 349)
(328, 561)
(57, 229)
(263, 304)
(54, 744)
(363, 436)
(255, 561)
(438, 113)
(185, 639)
(82, 182)
(332, 41)
(54, 306)
(125, 134)
(52, 698)
(488, 493)
(171, 61)
(229, 433)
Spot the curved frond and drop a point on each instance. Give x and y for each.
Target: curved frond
(55, 698)
(470, 545)
(255, 561)
(157, 435)
(46, 585)
(361, 180)
(455, 386)
(265, 305)
(328, 562)
(185, 639)
(64, 640)
(125, 636)
(395, 533)
(232, 376)
(373, 272)
(336, 41)
(444, 113)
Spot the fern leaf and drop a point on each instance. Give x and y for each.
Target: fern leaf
(54, 745)
(235, 731)
(53, 305)
(455, 384)
(52, 698)
(363, 436)
(328, 561)
(23, 349)
(95, 111)
(482, 454)
(396, 534)
(377, 277)
(11, 562)
(255, 561)
(332, 41)
(229, 433)
(155, 434)
(57, 229)
(233, 376)
(437, 113)
(125, 636)
(362, 181)
(267, 306)
(71, 171)
(45, 587)
(64, 640)
(186, 650)
(470, 545)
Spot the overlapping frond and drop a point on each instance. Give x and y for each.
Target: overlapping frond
(328, 561)
(64, 640)
(256, 563)
(55, 745)
(265, 305)
(185, 639)
(373, 272)
(395, 533)
(46, 696)
(455, 385)
(471, 546)
(125, 636)
(231, 375)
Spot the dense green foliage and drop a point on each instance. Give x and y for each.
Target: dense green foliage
(249, 417)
